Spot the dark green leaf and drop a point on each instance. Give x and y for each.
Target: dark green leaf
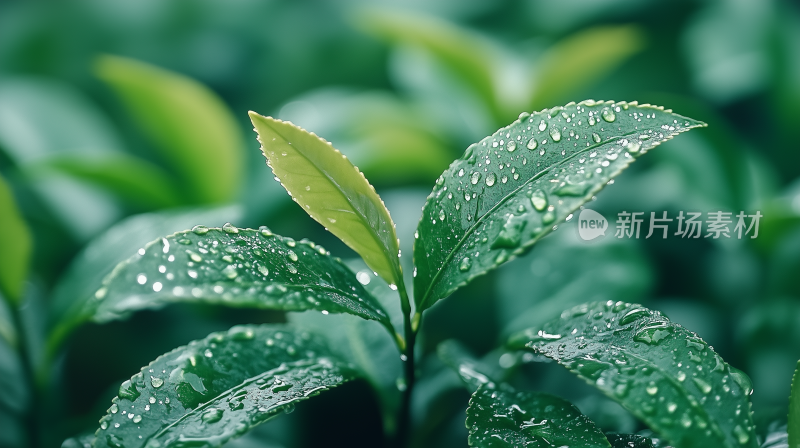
(794, 411)
(81, 441)
(218, 388)
(193, 129)
(232, 267)
(134, 180)
(98, 258)
(471, 371)
(504, 418)
(664, 374)
(332, 191)
(515, 186)
(577, 60)
(629, 441)
(15, 240)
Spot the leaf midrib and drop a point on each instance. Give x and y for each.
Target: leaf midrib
(480, 220)
(363, 219)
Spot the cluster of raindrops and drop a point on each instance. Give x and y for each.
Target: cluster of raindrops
(515, 419)
(638, 356)
(293, 366)
(233, 265)
(532, 174)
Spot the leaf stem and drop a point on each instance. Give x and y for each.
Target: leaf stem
(404, 418)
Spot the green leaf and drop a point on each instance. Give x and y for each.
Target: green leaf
(134, 180)
(472, 372)
(332, 191)
(664, 374)
(794, 410)
(218, 388)
(629, 441)
(191, 126)
(515, 186)
(15, 240)
(579, 59)
(468, 56)
(499, 417)
(97, 259)
(232, 267)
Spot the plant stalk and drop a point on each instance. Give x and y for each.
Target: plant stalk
(31, 372)
(404, 418)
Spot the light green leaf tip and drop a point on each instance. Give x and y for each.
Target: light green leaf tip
(794, 410)
(664, 374)
(16, 243)
(191, 126)
(514, 187)
(332, 191)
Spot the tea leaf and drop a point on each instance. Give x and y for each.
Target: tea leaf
(664, 374)
(515, 186)
(332, 191)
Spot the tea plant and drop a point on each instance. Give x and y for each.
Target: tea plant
(504, 194)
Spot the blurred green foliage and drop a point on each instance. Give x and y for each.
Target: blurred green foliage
(101, 153)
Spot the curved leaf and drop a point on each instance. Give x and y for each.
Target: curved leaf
(98, 258)
(513, 187)
(192, 127)
(500, 418)
(218, 388)
(793, 427)
(664, 374)
(464, 53)
(133, 179)
(15, 240)
(332, 191)
(234, 267)
(577, 60)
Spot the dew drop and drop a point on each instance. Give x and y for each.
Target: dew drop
(476, 176)
(200, 230)
(511, 146)
(608, 115)
(156, 382)
(532, 144)
(542, 126)
(539, 200)
(229, 228)
(465, 264)
(555, 134)
(212, 415)
(596, 137)
(491, 179)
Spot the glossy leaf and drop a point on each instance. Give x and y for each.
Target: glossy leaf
(15, 240)
(218, 388)
(332, 191)
(88, 269)
(503, 418)
(232, 267)
(513, 187)
(579, 59)
(629, 441)
(664, 374)
(135, 180)
(191, 126)
(793, 427)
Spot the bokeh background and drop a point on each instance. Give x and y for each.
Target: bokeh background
(125, 120)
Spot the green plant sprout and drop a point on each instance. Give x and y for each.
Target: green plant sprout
(490, 206)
